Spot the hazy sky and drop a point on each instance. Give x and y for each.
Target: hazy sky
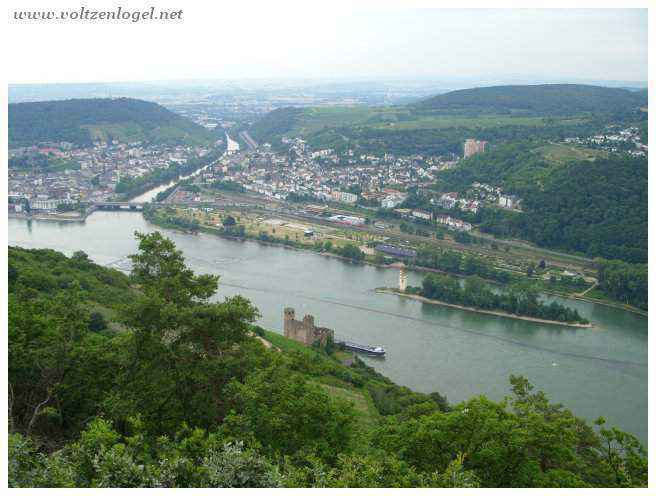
(248, 41)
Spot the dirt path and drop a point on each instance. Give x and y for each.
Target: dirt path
(587, 290)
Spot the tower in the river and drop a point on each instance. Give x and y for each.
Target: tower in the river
(403, 278)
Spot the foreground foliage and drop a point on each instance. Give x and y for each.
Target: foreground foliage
(178, 391)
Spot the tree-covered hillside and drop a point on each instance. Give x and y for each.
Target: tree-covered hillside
(440, 125)
(595, 207)
(147, 381)
(539, 99)
(277, 123)
(83, 121)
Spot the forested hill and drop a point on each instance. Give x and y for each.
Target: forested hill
(148, 381)
(595, 207)
(439, 125)
(82, 121)
(540, 99)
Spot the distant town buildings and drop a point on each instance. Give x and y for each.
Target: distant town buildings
(615, 139)
(344, 197)
(455, 224)
(472, 147)
(44, 177)
(508, 201)
(421, 214)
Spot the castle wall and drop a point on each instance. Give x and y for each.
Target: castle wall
(304, 331)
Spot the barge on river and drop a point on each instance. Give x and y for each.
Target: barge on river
(378, 351)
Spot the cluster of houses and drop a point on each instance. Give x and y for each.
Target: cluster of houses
(84, 174)
(615, 139)
(477, 196)
(368, 179)
(451, 200)
(452, 223)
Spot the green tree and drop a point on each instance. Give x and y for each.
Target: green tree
(97, 322)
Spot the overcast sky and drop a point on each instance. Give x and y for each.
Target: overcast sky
(246, 41)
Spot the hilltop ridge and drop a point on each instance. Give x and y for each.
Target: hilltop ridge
(83, 121)
(538, 99)
(440, 124)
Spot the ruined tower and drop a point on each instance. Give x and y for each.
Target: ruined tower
(288, 322)
(304, 331)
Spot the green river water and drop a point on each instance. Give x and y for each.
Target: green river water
(594, 372)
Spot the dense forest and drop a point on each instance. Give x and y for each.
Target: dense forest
(439, 141)
(598, 207)
(538, 99)
(623, 281)
(145, 380)
(82, 121)
(519, 298)
(277, 123)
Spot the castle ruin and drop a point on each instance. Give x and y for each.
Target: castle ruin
(304, 331)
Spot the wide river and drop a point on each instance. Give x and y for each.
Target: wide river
(594, 372)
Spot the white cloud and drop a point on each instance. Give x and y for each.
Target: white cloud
(244, 40)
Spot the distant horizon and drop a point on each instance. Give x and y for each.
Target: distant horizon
(501, 80)
(163, 90)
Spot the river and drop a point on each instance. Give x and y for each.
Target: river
(594, 372)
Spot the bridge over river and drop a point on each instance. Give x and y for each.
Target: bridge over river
(137, 207)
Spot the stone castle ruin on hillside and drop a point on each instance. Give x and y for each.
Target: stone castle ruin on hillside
(304, 331)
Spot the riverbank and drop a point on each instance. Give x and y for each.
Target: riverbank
(597, 301)
(369, 260)
(478, 310)
(168, 178)
(49, 217)
(280, 244)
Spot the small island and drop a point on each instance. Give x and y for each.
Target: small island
(520, 301)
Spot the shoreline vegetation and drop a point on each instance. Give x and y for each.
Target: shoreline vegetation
(497, 313)
(151, 217)
(520, 298)
(49, 217)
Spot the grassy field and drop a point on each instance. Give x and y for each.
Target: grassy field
(483, 121)
(130, 131)
(562, 153)
(401, 118)
(281, 229)
(363, 404)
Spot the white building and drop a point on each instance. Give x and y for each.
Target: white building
(507, 201)
(452, 223)
(420, 214)
(344, 197)
(391, 201)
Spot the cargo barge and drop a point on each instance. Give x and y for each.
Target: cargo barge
(378, 351)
